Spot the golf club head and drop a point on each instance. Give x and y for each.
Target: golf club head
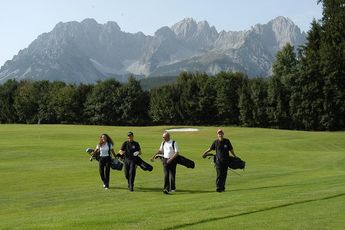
(209, 155)
(89, 150)
(159, 156)
(120, 157)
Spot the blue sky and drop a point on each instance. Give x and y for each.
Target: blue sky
(22, 21)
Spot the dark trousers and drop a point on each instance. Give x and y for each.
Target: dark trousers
(130, 171)
(169, 174)
(104, 170)
(222, 173)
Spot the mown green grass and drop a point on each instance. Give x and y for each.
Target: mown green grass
(293, 180)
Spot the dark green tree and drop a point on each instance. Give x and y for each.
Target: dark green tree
(306, 101)
(83, 92)
(165, 105)
(207, 110)
(100, 106)
(7, 94)
(63, 103)
(227, 99)
(197, 104)
(332, 53)
(27, 102)
(246, 104)
(54, 103)
(284, 69)
(258, 92)
(133, 103)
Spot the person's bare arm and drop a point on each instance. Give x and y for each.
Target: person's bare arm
(154, 155)
(205, 154)
(173, 157)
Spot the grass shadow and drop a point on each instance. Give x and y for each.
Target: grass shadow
(263, 187)
(254, 211)
(272, 186)
(178, 192)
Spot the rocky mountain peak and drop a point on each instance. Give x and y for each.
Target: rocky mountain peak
(185, 28)
(197, 34)
(112, 26)
(86, 51)
(188, 27)
(164, 33)
(279, 31)
(89, 22)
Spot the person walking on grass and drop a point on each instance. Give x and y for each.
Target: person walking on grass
(170, 151)
(223, 148)
(131, 150)
(105, 149)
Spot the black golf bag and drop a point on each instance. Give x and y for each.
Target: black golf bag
(140, 162)
(233, 163)
(185, 162)
(115, 163)
(143, 165)
(236, 163)
(180, 160)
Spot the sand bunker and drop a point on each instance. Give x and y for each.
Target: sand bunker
(183, 130)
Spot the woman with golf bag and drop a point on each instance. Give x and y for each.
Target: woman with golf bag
(104, 148)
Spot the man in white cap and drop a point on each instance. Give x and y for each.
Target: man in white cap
(223, 147)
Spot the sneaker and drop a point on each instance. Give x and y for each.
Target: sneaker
(165, 191)
(173, 190)
(106, 188)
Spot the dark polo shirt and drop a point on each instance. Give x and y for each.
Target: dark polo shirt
(222, 149)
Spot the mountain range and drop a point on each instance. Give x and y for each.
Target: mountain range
(86, 51)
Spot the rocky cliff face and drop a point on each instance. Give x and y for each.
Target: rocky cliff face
(87, 51)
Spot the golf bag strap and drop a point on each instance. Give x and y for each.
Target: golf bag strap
(109, 148)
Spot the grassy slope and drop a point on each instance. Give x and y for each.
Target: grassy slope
(293, 180)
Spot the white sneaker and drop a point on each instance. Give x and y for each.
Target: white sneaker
(172, 191)
(106, 188)
(103, 185)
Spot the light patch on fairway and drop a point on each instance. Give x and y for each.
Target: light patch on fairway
(183, 130)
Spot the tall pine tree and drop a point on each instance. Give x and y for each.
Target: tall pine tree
(333, 63)
(246, 104)
(279, 86)
(306, 100)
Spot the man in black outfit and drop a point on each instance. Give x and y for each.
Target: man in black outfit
(222, 146)
(130, 149)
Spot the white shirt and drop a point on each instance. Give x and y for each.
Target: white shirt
(104, 149)
(167, 149)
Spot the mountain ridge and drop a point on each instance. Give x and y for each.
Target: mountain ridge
(86, 51)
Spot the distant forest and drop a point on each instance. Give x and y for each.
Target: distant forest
(305, 92)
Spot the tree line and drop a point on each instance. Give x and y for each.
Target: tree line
(306, 92)
(106, 103)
